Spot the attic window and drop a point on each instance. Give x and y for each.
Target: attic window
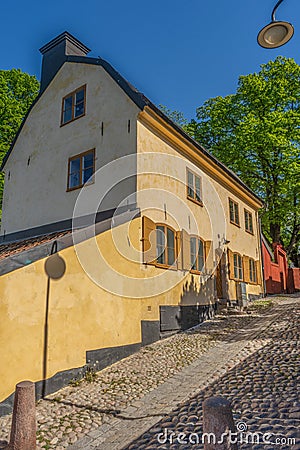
(73, 105)
(81, 170)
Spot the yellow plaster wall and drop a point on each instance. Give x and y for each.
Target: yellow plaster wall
(184, 213)
(82, 315)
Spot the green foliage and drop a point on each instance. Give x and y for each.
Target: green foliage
(176, 116)
(90, 375)
(256, 132)
(17, 92)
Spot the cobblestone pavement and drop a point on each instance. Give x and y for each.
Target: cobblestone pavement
(263, 390)
(87, 407)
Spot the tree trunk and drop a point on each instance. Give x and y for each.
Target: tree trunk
(275, 232)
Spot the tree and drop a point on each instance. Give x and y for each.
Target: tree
(17, 92)
(176, 116)
(256, 132)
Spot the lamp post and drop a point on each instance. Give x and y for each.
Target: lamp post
(276, 33)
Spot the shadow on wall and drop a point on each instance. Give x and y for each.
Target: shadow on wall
(274, 287)
(197, 303)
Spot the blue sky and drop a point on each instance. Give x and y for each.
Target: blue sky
(177, 53)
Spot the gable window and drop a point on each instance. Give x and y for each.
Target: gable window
(81, 169)
(197, 254)
(248, 222)
(234, 212)
(238, 266)
(252, 271)
(194, 187)
(73, 105)
(165, 245)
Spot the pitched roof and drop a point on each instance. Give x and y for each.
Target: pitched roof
(14, 248)
(141, 101)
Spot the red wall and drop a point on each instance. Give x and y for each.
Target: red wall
(293, 280)
(275, 273)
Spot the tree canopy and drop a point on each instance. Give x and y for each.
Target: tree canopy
(256, 132)
(17, 92)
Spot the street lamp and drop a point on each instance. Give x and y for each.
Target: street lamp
(276, 33)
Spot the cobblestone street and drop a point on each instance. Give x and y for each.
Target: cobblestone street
(263, 390)
(232, 355)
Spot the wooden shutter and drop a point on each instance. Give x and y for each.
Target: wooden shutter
(186, 250)
(231, 264)
(258, 272)
(246, 269)
(149, 240)
(209, 257)
(179, 249)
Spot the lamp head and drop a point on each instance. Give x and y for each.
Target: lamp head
(275, 34)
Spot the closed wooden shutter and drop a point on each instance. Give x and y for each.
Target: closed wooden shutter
(246, 269)
(179, 250)
(258, 272)
(186, 250)
(231, 264)
(149, 240)
(209, 256)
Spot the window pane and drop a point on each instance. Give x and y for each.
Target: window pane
(240, 267)
(200, 255)
(197, 187)
(193, 253)
(79, 103)
(160, 245)
(68, 103)
(236, 210)
(75, 165)
(231, 210)
(190, 185)
(171, 246)
(240, 273)
(87, 175)
(250, 223)
(67, 115)
(160, 235)
(79, 110)
(88, 160)
(74, 179)
(79, 96)
(171, 256)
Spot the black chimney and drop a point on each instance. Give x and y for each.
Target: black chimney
(55, 53)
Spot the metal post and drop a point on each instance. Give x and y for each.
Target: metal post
(218, 425)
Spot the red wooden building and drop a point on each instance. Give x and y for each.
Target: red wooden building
(278, 277)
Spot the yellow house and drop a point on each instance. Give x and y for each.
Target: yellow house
(154, 231)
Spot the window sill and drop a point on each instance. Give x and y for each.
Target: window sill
(80, 186)
(197, 202)
(196, 272)
(249, 232)
(236, 224)
(165, 266)
(72, 120)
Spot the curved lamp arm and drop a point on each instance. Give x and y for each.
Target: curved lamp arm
(274, 10)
